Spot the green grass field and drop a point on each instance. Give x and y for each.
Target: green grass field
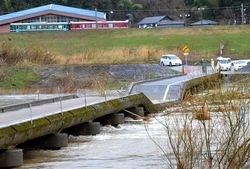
(135, 45)
(17, 78)
(114, 46)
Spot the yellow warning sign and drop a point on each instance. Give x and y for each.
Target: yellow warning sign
(185, 49)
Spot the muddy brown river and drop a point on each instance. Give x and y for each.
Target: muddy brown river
(127, 146)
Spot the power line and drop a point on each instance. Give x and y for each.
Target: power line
(167, 9)
(170, 9)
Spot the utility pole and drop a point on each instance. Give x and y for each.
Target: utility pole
(110, 17)
(96, 18)
(242, 14)
(201, 12)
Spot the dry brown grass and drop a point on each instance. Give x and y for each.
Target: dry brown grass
(206, 31)
(116, 56)
(12, 56)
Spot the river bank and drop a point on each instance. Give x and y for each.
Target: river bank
(50, 79)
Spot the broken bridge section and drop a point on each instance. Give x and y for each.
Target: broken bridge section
(51, 119)
(167, 90)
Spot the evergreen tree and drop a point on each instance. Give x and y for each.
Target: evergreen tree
(8, 6)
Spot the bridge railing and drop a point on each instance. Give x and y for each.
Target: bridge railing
(28, 104)
(100, 93)
(16, 102)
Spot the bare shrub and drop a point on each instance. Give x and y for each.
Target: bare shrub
(2, 62)
(10, 55)
(221, 142)
(39, 56)
(100, 83)
(69, 82)
(2, 74)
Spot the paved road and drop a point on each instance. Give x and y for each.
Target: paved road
(166, 90)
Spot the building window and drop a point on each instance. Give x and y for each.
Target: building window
(88, 26)
(51, 18)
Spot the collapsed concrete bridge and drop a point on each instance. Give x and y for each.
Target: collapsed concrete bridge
(46, 128)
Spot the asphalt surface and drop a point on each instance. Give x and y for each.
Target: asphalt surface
(166, 90)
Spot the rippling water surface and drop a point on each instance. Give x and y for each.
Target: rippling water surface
(127, 146)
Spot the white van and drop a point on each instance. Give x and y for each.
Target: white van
(239, 64)
(223, 63)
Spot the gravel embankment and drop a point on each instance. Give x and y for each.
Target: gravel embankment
(139, 70)
(85, 75)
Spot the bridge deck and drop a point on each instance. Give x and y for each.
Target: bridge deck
(36, 112)
(158, 91)
(26, 124)
(165, 90)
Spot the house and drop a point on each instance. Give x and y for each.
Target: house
(49, 14)
(204, 23)
(159, 22)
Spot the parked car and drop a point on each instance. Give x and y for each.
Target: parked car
(238, 64)
(170, 60)
(223, 63)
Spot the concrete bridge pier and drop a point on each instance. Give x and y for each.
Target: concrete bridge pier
(139, 111)
(11, 158)
(135, 112)
(113, 119)
(90, 128)
(53, 141)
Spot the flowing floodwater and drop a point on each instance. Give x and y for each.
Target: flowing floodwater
(130, 146)
(127, 146)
